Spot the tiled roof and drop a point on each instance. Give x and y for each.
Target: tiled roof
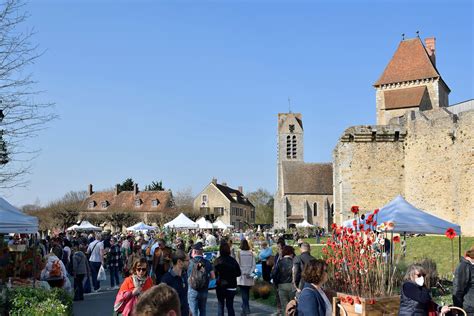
(307, 178)
(125, 201)
(410, 62)
(230, 193)
(404, 98)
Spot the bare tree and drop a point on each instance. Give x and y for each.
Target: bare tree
(184, 203)
(23, 117)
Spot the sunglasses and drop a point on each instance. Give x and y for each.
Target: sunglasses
(141, 269)
(420, 274)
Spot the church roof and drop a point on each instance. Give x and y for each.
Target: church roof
(410, 62)
(307, 178)
(404, 98)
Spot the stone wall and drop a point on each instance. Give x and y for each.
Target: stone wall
(304, 203)
(430, 162)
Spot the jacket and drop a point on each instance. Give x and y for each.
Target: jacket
(180, 284)
(227, 270)
(310, 302)
(125, 300)
(246, 260)
(414, 300)
(298, 264)
(283, 273)
(463, 286)
(80, 263)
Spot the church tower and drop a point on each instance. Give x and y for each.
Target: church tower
(290, 148)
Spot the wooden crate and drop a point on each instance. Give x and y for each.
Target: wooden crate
(367, 307)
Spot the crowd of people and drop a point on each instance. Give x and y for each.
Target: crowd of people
(151, 271)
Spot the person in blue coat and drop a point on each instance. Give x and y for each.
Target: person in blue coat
(312, 300)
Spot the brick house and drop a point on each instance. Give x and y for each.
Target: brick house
(231, 206)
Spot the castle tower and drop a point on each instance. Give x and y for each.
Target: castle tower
(410, 81)
(290, 148)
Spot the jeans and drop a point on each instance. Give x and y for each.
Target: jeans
(95, 266)
(78, 287)
(245, 291)
(286, 292)
(114, 276)
(197, 302)
(225, 296)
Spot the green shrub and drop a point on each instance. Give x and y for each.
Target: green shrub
(36, 302)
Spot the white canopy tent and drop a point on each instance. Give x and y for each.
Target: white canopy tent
(141, 227)
(181, 221)
(304, 224)
(73, 227)
(86, 226)
(221, 225)
(409, 219)
(12, 220)
(205, 224)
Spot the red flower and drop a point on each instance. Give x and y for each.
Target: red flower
(450, 233)
(361, 226)
(343, 300)
(357, 300)
(396, 239)
(355, 209)
(371, 301)
(354, 222)
(333, 226)
(350, 300)
(376, 211)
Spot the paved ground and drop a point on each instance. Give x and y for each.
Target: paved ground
(101, 304)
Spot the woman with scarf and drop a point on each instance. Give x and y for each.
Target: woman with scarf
(132, 287)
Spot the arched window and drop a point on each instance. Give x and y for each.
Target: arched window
(288, 147)
(294, 147)
(315, 209)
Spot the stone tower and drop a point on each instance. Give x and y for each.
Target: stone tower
(290, 148)
(410, 82)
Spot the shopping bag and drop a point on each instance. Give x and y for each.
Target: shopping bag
(101, 276)
(87, 285)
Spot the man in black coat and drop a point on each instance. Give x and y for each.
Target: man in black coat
(463, 284)
(299, 263)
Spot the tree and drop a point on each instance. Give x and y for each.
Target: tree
(127, 185)
(118, 219)
(155, 186)
(263, 202)
(184, 203)
(22, 117)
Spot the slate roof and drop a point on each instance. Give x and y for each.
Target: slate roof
(410, 62)
(307, 178)
(125, 201)
(404, 98)
(230, 193)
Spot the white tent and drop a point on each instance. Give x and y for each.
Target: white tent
(409, 219)
(141, 227)
(204, 224)
(86, 226)
(73, 227)
(221, 225)
(181, 221)
(12, 220)
(303, 224)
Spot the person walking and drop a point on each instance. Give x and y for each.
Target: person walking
(463, 284)
(312, 300)
(265, 253)
(132, 287)
(278, 256)
(177, 278)
(227, 270)
(80, 270)
(96, 259)
(200, 271)
(284, 277)
(114, 258)
(299, 263)
(246, 260)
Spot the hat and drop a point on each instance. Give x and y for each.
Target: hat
(198, 246)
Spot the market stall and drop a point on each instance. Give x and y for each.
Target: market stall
(140, 227)
(205, 224)
(182, 222)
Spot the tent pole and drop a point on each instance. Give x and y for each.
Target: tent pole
(460, 256)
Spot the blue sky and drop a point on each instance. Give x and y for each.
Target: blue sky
(183, 91)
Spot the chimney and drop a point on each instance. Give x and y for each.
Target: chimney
(214, 181)
(241, 189)
(430, 48)
(117, 190)
(89, 190)
(135, 188)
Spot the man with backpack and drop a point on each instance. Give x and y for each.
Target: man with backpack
(200, 272)
(299, 263)
(95, 252)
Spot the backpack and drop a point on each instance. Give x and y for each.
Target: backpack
(291, 308)
(199, 279)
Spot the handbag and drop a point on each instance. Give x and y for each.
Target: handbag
(101, 276)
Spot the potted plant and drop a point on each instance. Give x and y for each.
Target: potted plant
(360, 271)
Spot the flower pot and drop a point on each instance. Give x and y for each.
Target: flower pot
(265, 291)
(255, 290)
(349, 305)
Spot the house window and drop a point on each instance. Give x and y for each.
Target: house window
(91, 204)
(104, 204)
(218, 211)
(204, 198)
(138, 202)
(315, 209)
(155, 202)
